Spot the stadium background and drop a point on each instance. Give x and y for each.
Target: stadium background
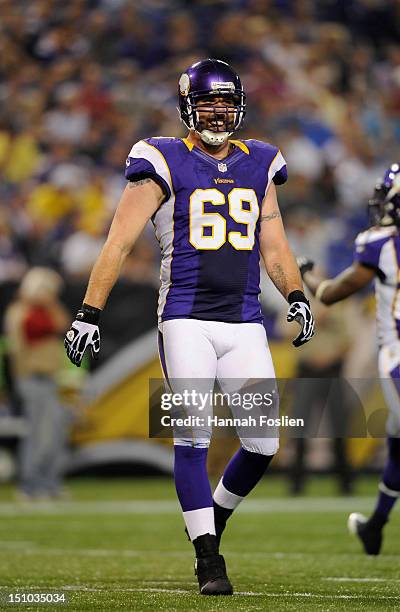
(81, 81)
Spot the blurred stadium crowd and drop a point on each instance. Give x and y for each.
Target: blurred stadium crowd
(81, 81)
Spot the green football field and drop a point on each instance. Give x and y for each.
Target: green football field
(118, 544)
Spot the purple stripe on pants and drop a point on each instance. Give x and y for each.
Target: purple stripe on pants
(161, 352)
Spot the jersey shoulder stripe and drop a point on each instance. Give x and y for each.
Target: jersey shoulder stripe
(241, 144)
(375, 234)
(368, 245)
(146, 159)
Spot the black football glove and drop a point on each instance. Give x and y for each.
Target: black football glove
(300, 311)
(305, 265)
(83, 333)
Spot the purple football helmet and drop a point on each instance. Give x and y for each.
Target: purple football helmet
(384, 206)
(208, 79)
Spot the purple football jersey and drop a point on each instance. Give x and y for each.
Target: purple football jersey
(379, 248)
(208, 225)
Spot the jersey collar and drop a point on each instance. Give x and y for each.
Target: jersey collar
(237, 143)
(227, 161)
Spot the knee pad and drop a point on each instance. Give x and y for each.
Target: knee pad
(262, 446)
(188, 442)
(393, 424)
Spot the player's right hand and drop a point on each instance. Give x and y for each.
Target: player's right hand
(83, 333)
(305, 265)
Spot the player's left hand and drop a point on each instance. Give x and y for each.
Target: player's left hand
(300, 311)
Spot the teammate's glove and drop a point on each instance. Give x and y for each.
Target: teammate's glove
(83, 333)
(305, 265)
(299, 310)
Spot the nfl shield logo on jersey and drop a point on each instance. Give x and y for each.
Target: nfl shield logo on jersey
(222, 167)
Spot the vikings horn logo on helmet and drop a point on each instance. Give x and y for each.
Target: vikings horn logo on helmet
(184, 84)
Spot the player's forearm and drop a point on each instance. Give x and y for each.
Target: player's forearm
(105, 274)
(282, 269)
(328, 291)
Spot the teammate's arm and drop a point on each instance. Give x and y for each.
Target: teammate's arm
(282, 267)
(330, 291)
(138, 203)
(279, 260)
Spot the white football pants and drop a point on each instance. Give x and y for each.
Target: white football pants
(232, 353)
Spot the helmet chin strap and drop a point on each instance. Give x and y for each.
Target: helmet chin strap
(214, 138)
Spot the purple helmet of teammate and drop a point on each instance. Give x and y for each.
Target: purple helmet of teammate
(384, 206)
(203, 81)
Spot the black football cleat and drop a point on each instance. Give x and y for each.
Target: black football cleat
(211, 574)
(210, 567)
(370, 532)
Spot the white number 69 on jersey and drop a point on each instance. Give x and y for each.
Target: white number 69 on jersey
(208, 229)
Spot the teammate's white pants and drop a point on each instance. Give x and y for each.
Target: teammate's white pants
(389, 372)
(232, 353)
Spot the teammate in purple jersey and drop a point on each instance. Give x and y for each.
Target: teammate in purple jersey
(376, 257)
(213, 204)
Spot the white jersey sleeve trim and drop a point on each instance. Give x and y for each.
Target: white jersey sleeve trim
(144, 150)
(277, 164)
(372, 235)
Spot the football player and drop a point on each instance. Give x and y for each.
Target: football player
(214, 207)
(376, 257)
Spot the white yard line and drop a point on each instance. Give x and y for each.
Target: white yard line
(288, 595)
(31, 548)
(321, 596)
(348, 579)
(192, 592)
(16, 544)
(36, 549)
(83, 552)
(151, 507)
(186, 591)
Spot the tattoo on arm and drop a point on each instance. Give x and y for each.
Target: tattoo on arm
(273, 215)
(134, 184)
(279, 278)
